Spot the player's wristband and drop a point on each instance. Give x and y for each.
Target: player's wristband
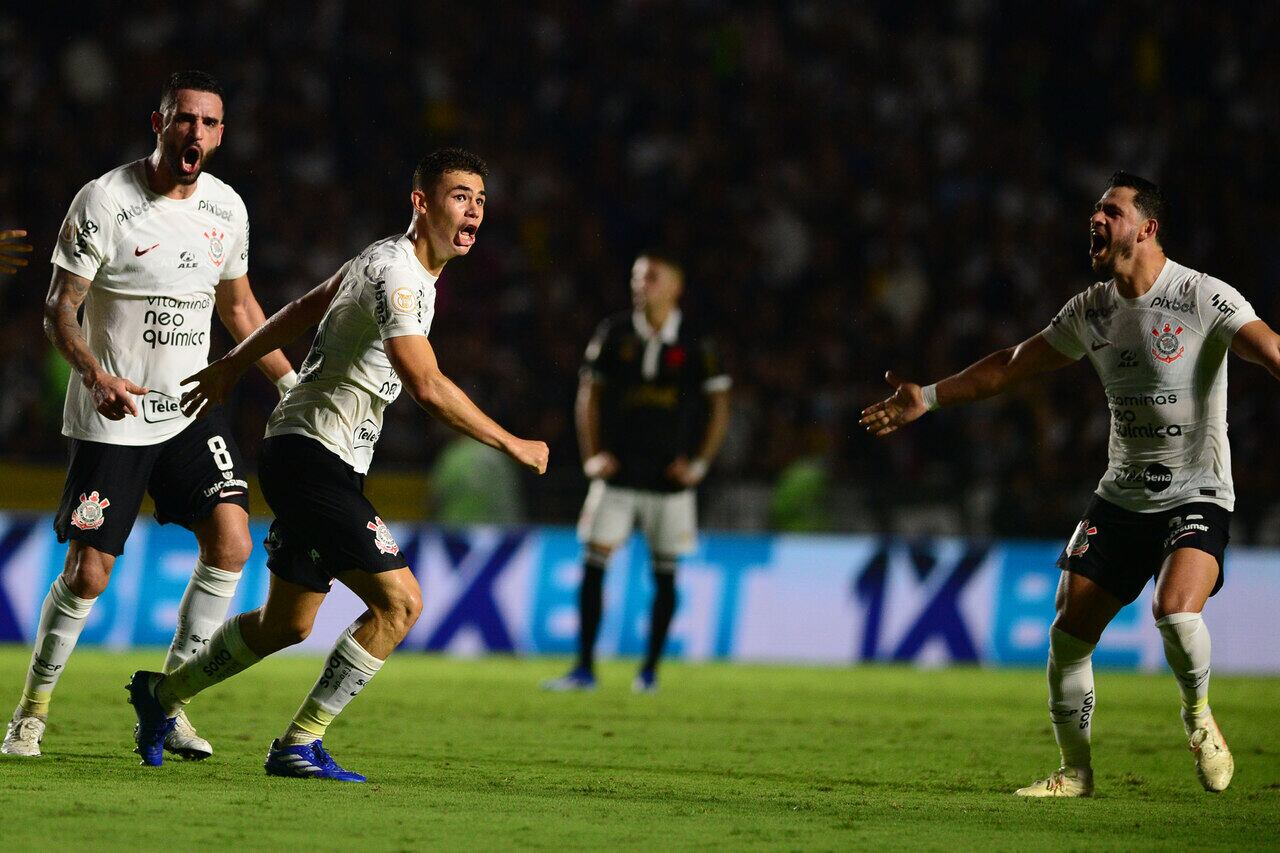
(698, 469)
(930, 394)
(284, 383)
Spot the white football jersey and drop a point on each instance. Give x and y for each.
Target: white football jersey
(1162, 360)
(155, 263)
(347, 380)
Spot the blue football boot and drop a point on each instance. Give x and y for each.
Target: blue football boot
(646, 682)
(153, 725)
(306, 761)
(579, 679)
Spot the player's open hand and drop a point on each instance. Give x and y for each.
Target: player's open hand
(113, 396)
(212, 385)
(531, 454)
(906, 405)
(12, 251)
(601, 466)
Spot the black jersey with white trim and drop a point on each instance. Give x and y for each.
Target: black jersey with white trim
(653, 387)
(1162, 361)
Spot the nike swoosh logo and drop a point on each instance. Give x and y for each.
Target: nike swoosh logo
(1097, 346)
(229, 494)
(139, 252)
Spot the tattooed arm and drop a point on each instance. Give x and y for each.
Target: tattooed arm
(112, 395)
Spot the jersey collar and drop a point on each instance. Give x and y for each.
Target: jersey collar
(667, 334)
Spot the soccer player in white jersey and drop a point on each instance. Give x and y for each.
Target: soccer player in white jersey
(1157, 334)
(150, 250)
(374, 317)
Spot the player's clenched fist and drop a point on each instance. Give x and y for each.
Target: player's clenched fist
(906, 405)
(113, 396)
(533, 454)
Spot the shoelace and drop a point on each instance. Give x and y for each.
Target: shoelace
(324, 759)
(27, 728)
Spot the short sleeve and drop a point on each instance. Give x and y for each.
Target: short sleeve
(402, 307)
(1065, 332)
(85, 239)
(596, 360)
(714, 378)
(238, 257)
(1225, 312)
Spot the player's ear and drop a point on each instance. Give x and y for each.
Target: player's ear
(418, 199)
(157, 122)
(1150, 228)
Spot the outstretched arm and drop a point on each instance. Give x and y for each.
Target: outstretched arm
(415, 363)
(283, 327)
(980, 380)
(112, 395)
(240, 312)
(1256, 342)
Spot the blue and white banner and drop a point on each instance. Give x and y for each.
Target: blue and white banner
(821, 599)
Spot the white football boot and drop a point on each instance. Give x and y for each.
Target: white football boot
(24, 736)
(1063, 782)
(184, 741)
(1214, 764)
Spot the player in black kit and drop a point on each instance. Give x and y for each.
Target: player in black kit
(652, 410)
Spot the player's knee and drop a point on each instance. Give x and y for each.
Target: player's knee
(87, 573)
(1165, 603)
(290, 632)
(230, 552)
(400, 612)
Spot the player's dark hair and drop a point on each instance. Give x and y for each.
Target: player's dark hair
(1147, 196)
(442, 160)
(198, 81)
(667, 259)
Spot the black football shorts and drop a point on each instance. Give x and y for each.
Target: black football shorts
(187, 476)
(1120, 550)
(323, 524)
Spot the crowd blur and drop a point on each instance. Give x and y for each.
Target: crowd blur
(852, 187)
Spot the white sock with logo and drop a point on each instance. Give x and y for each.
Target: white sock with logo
(203, 608)
(347, 669)
(62, 618)
(223, 656)
(1186, 648)
(1071, 698)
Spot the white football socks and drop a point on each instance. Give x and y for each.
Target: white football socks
(347, 669)
(1186, 648)
(62, 618)
(223, 656)
(203, 608)
(1071, 698)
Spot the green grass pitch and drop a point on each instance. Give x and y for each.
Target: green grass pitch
(469, 754)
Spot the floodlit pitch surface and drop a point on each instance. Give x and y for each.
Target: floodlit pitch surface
(470, 754)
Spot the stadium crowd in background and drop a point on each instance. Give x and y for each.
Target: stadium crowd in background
(849, 188)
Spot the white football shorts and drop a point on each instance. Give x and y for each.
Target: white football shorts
(668, 520)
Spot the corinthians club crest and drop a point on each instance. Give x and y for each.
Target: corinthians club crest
(382, 537)
(1167, 347)
(1080, 539)
(216, 249)
(89, 515)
